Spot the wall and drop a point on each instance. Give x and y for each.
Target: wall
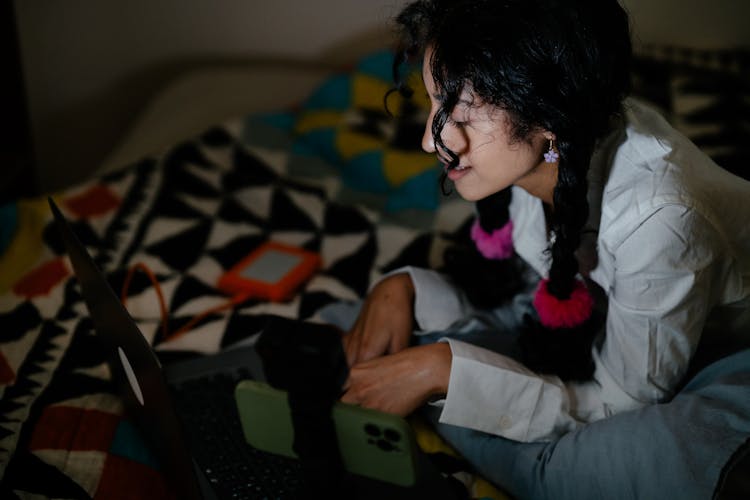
(91, 65)
(16, 163)
(693, 23)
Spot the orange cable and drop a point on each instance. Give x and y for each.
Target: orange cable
(163, 306)
(190, 324)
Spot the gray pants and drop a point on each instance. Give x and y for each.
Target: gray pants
(679, 448)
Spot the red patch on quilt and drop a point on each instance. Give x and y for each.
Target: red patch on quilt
(41, 280)
(97, 200)
(126, 479)
(76, 429)
(7, 375)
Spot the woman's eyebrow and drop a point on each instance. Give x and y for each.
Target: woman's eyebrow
(441, 99)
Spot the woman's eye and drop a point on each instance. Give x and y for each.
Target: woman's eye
(457, 123)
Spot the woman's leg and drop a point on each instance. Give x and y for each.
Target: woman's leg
(501, 461)
(681, 447)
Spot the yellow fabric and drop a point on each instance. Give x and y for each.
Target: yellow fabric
(368, 92)
(349, 143)
(318, 119)
(400, 166)
(430, 442)
(484, 489)
(27, 244)
(420, 98)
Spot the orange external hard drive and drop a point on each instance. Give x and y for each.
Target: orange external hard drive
(273, 271)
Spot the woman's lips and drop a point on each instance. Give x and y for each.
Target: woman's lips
(456, 173)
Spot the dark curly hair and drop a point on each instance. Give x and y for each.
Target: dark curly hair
(557, 65)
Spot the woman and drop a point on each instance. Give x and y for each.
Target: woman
(614, 213)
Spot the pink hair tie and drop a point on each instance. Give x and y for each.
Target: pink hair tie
(495, 245)
(556, 313)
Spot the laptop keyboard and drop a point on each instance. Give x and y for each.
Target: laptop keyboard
(236, 470)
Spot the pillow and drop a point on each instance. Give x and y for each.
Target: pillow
(704, 93)
(346, 122)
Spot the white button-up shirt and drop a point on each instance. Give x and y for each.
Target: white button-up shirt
(673, 256)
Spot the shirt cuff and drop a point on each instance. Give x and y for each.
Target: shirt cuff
(437, 303)
(492, 393)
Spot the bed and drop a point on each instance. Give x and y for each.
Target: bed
(190, 194)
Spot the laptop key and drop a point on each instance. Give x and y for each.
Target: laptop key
(209, 411)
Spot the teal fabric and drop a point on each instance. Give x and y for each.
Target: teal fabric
(320, 141)
(364, 172)
(127, 443)
(378, 65)
(418, 192)
(281, 120)
(334, 94)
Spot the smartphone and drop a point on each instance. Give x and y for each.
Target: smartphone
(371, 443)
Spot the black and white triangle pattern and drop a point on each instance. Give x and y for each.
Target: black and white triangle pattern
(190, 215)
(208, 215)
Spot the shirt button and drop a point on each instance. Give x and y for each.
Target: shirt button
(504, 422)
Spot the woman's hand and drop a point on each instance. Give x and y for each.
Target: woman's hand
(400, 383)
(385, 323)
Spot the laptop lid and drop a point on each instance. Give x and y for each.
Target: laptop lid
(135, 368)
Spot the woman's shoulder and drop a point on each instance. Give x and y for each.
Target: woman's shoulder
(654, 166)
(652, 149)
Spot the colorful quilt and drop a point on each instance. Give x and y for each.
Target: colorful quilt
(188, 215)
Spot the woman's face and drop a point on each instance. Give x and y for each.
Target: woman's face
(489, 160)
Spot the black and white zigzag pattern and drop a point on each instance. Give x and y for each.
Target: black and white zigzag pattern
(189, 216)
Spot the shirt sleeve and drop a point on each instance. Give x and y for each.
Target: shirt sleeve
(438, 303)
(490, 392)
(664, 287)
(657, 308)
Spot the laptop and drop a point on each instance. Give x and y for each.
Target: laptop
(187, 413)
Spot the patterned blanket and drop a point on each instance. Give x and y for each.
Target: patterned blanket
(188, 215)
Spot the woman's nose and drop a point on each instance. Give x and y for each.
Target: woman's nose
(452, 138)
(428, 140)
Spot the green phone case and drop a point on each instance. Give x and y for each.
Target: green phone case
(372, 443)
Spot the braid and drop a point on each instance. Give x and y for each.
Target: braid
(569, 216)
(565, 350)
(493, 210)
(487, 271)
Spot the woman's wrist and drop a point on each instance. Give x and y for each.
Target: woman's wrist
(442, 357)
